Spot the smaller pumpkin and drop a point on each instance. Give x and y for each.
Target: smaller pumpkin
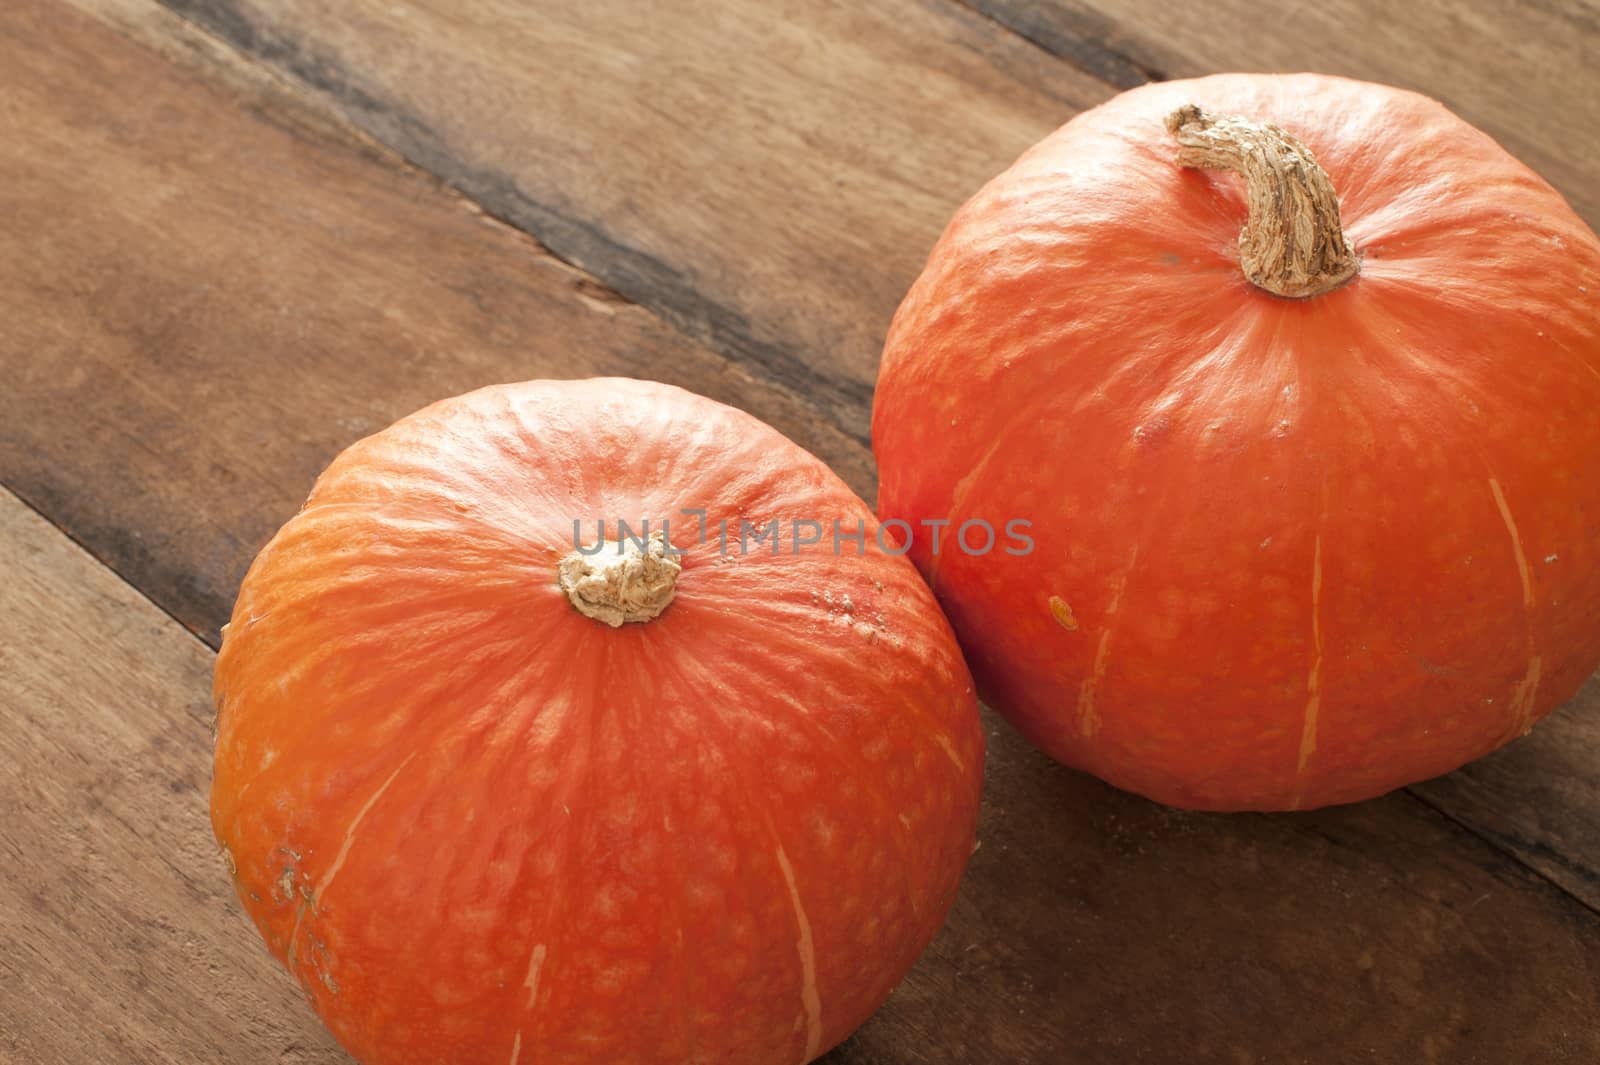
(1298, 381)
(493, 796)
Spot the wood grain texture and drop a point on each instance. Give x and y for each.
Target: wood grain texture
(1522, 70)
(770, 179)
(120, 937)
(210, 287)
(209, 290)
(1539, 798)
(1096, 927)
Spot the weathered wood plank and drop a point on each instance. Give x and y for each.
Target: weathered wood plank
(209, 291)
(1096, 927)
(1522, 71)
(120, 938)
(1539, 798)
(770, 179)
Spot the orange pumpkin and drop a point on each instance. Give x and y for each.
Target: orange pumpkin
(1298, 381)
(492, 799)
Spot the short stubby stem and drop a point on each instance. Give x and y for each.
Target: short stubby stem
(1293, 243)
(620, 581)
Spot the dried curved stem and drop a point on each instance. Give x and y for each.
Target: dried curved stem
(1293, 244)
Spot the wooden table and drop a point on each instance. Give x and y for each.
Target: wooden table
(236, 235)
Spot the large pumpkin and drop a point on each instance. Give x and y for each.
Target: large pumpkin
(1297, 380)
(494, 799)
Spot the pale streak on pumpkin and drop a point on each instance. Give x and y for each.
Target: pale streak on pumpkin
(808, 962)
(1585, 363)
(1308, 727)
(950, 750)
(535, 965)
(516, 1049)
(1522, 696)
(939, 735)
(1088, 718)
(958, 500)
(1516, 543)
(326, 882)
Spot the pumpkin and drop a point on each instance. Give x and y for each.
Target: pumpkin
(1296, 381)
(494, 796)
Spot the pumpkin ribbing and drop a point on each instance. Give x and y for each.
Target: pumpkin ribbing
(1290, 552)
(482, 818)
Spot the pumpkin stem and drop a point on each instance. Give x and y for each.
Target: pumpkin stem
(620, 582)
(1293, 244)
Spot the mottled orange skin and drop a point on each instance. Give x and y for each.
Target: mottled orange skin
(1309, 550)
(481, 828)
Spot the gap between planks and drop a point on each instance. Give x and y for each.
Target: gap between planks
(1089, 55)
(154, 24)
(22, 501)
(1503, 848)
(499, 197)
